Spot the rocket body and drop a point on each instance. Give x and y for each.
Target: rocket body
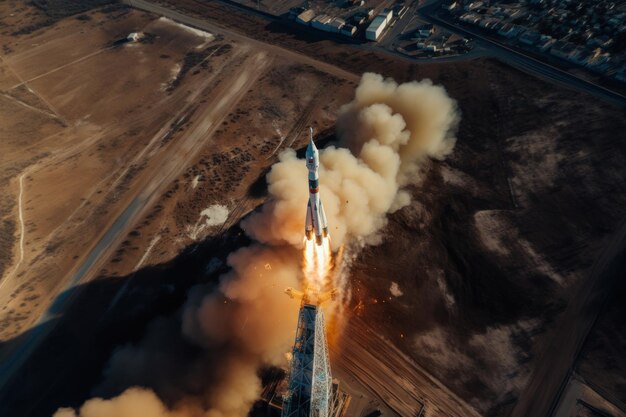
(315, 216)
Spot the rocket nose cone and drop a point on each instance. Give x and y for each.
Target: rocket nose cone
(311, 149)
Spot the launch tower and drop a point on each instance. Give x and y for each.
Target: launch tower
(310, 389)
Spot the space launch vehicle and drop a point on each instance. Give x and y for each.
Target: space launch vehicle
(315, 217)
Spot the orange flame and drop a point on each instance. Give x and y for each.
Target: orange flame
(317, 265)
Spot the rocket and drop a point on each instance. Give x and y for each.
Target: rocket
(315, 216)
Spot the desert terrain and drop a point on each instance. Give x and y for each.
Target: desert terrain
(127, 166)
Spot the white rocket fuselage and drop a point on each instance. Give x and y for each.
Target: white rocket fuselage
(315, 216)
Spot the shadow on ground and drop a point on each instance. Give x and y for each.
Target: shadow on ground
(86, 323)
(97, 317)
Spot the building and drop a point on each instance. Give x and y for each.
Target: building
(511, 31)
(378, 25)
(530, 38)
(335, 25)
(472, 18)
(320, 22)
(425, 31)
(134, 36)
(328, 24)
(348, 30)
(388, 14)
(305, 17)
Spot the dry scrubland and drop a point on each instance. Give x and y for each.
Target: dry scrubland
(141, 139)
(115, 153)
(80, 147)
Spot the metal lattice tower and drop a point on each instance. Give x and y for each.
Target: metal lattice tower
(310, 381)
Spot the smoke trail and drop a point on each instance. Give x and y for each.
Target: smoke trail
(384, 135)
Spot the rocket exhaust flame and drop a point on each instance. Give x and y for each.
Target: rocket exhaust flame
(317, 266)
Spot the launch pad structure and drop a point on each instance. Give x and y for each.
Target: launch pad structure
(311, 391)
(310, 384)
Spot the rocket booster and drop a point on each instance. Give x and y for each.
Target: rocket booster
(315, 216)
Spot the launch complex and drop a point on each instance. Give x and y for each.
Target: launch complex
(310, 390)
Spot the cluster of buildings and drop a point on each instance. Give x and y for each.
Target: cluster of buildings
(327, 23)
(362, 18)
(587, 33)
(428, 40)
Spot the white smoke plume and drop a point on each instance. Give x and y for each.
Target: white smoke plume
(384, 134)
(388, 129)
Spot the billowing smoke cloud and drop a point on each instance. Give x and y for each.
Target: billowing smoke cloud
(388, 130)
(134, 402)
(209, 368)
(415, 119)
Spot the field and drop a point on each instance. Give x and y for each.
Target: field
(128, 166)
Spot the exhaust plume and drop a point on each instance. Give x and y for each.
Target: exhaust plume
(384, 134)
(388, 130)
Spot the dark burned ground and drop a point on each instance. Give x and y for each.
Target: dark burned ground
(603, 360)
(500, 234)
(64, 370)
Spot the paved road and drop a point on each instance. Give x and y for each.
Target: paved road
(524, 62)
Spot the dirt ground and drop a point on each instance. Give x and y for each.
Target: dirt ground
(159, 131)
(470, 278)
(83, 126)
